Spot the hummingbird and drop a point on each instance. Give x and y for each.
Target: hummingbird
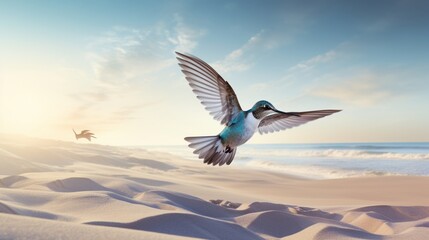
(84, 134)
(218, 97)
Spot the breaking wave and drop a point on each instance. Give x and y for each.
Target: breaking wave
(344, 154)
(330, 160)
(317, 172)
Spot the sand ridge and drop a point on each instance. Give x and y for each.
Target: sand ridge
(52, 189)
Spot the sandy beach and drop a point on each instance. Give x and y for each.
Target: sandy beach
(64, 190)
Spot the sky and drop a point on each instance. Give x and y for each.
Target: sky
(109, 66)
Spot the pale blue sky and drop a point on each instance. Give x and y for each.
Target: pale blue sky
(109, 66)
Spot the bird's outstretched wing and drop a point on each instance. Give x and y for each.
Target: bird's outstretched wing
(84, 131)
(215, 94)
(281, 121)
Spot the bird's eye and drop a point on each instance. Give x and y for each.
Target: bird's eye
(266, 106)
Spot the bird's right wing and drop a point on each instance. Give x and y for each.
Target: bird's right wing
(84, 131)
(211, 89)
(281, 121)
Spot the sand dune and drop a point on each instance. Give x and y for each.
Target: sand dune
(52, 190)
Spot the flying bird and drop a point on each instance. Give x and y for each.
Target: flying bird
(84, 134)
(219, 99)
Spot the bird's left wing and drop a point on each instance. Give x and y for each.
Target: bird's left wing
(211, 89)
(84, 131)
(281, 121)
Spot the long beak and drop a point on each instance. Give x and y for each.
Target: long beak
(288, 113)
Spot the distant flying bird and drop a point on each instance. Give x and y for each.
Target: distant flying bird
(84, 134)
(219, 99)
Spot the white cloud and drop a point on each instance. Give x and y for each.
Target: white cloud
(379, 25)
(364, 89)
(184, 38)
(314, 61)
(124, 54)
(239, 59)
(125, 61)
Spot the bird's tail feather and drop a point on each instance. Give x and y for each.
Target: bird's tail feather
(210, 148)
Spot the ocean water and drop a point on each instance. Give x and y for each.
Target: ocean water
(333, 160)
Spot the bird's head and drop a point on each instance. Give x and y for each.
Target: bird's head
(262, 109)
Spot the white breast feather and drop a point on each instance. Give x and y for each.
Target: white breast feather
(251, 124)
